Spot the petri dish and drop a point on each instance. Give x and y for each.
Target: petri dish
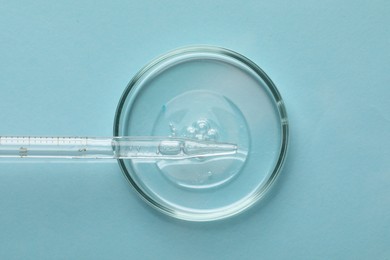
(204, 93)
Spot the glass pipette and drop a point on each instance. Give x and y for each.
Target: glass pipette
(149, 147)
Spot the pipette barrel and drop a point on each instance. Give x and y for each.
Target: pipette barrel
(111, 148)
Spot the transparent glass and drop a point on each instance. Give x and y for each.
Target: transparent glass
(134, 147)
(201, 133)
(212, 94)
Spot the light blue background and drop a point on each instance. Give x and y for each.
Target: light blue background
(64, 65)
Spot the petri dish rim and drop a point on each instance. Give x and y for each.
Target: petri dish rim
(284, 126)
